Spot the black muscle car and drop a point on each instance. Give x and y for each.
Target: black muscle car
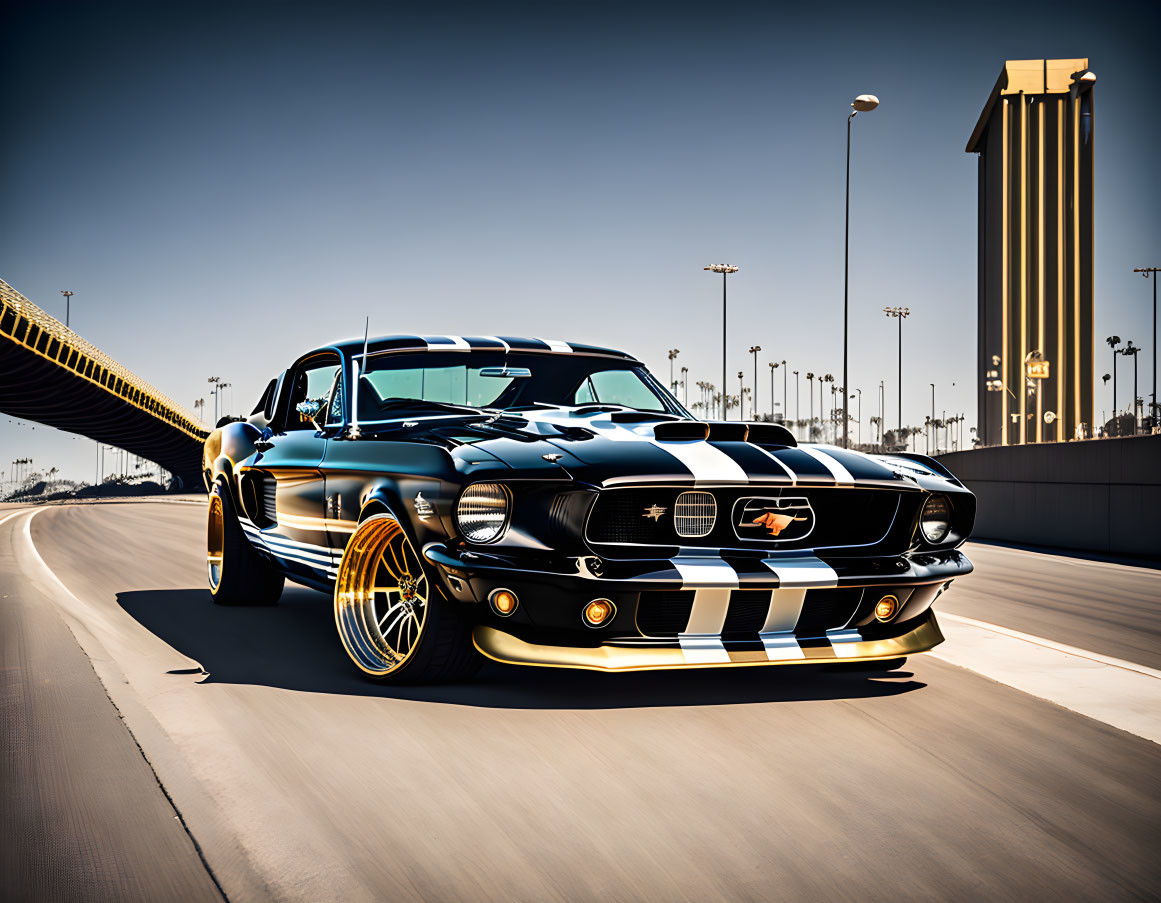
(552, 504)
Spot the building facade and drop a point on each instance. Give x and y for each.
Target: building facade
(1034, 139)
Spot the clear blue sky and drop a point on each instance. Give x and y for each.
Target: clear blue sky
(224, 186)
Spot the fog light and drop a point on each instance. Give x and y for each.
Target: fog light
(886, 608)
(598, 612)
(503, 602)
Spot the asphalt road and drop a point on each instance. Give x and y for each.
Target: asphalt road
(283, 775)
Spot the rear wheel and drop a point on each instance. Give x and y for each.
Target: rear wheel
(237, 575)
(394, 621)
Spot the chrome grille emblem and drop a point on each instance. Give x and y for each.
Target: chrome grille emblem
(655, 512)
(782, 518)
(694, 514)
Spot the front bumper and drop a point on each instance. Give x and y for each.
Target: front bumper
(701, 610)
(840, 646)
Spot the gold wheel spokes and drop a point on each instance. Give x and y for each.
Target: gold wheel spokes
(215, 541)
(380, 597)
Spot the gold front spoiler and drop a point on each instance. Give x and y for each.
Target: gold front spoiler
(503, 647)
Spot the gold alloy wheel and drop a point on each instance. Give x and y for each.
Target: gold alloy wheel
(215, 541)
(381, 597)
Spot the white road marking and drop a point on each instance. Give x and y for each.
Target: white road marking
(1122, 694)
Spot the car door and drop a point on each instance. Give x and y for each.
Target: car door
(289, 464)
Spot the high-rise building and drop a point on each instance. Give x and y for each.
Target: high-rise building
(1035, 144)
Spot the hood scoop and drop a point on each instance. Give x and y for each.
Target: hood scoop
(724, 431)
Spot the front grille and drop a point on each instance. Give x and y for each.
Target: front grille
(668, 516)
(827, 609)
(747, 613)
(694, 514)
(664, 613)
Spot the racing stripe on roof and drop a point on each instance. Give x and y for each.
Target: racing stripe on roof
(446, 343)
(486, 343)
(520, 343)
(557, 345)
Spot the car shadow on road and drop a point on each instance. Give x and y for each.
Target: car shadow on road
(294, 646)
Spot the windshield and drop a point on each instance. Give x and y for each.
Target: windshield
(394, 384)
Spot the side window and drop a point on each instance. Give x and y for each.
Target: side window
(622, 387)
(318, 381)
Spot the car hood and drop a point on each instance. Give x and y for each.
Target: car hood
(606, 448)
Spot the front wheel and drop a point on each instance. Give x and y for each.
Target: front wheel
(395, 623)
(237, 575)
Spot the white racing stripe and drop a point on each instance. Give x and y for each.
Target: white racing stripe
(447, 342)
(496, 338)
(832, 464)
(773, 457)
(557, 345)
(712, 580)
(802, 572)
(1119, 693)
(706, 463)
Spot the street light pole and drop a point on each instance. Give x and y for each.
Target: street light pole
(773, 367)
(864, 103)
(1131, 349)
(931, 431)
(859, 440)
(673, 353)
(685, 384)
(1113, 341)
(810, 397)
(797, 400)
(900, 313)
(1146, 271)
(68, 304)
(754, 349)
(213, 381)
(725, 269)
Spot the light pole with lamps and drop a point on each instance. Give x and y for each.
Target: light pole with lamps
(685, 384)
(859, 439)
(1146, 271)
(1133, 350)
(810, 398)
(754, 349)
(829, 378)
(864, 103)
(725, 269)
(673, 353)
(741, 398)
(1113, 341)
(68, 303)
(931, 430)
(797, 407)
(900, 313)
(213, 381)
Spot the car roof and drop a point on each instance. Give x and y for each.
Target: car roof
(514, 344)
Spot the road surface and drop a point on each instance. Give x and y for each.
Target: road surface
(131, 773)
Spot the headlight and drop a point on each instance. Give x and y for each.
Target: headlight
(935, 519)
(482, 512)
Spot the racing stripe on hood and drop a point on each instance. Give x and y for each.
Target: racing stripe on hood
(806, 468)
(862, 467)
(841, 475)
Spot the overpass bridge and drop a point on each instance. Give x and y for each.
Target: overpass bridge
(51, 375)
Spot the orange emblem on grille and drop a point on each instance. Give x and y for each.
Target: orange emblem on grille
(775, 523)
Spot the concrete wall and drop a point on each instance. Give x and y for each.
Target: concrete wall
(1102, 495)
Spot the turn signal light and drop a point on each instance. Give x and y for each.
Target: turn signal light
(886, 608)
(503, 602)
(598, 612)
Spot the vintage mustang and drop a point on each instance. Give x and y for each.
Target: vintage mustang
(548, 503)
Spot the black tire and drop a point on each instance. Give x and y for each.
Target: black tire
(393, 618)
(237, 574)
